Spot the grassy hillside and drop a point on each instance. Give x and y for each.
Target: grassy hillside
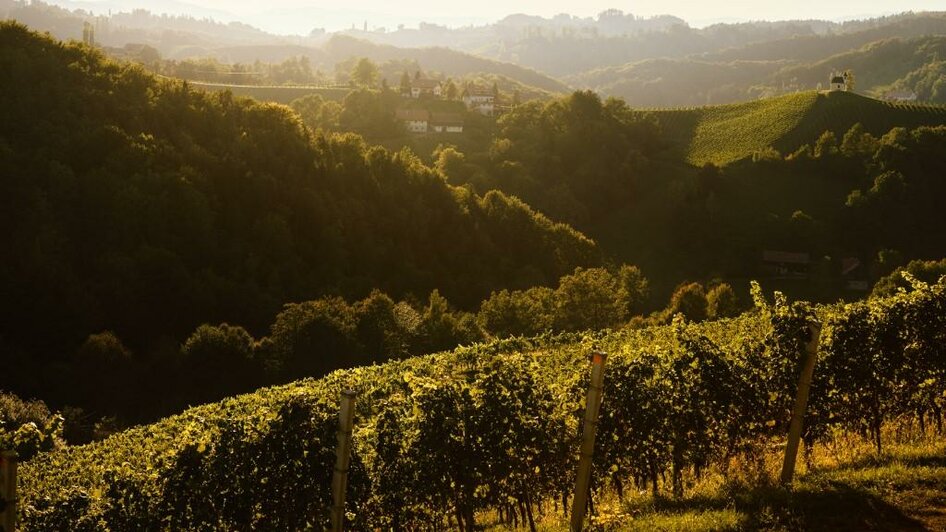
(727, 133)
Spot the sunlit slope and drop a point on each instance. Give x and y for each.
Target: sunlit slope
(726, 133)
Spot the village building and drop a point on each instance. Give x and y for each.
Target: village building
(785, 264)
(415, 120)
(482, 101)
(446, 123)
(855, 275)
(426, 88)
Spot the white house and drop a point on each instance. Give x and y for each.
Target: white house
(482, 101)
(415, 120)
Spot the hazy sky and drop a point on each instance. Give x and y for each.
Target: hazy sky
(283, 15)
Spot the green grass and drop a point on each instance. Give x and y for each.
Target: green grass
(904, 489)
(726, 133)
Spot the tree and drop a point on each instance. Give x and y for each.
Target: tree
(387, 330)
(689, 299)
(721, 302)
(103, 371)
(365, 73)
(441, 328)
(312, 338)
(588, 299)
(405, 85)
(451, 91)
(218, 360)
(634, 289)
(849, 80)
(826, 145)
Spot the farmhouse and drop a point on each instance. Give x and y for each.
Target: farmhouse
(446, 123)
(785, 264)
(415, 120)
(482, 101)
(426, 87)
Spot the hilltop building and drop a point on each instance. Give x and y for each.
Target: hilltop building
(839, 81)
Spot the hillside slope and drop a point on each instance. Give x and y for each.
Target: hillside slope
(144, 207)
(727, 133)
(896, 59)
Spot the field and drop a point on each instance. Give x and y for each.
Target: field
(726, 133)
(275, 93)
(487, 433)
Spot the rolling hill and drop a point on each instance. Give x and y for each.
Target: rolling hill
(726, 133)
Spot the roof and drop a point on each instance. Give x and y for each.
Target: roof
(477, 91)
(446, 119)
(849, 264)
(785, 257)
(425, 84)
(412, 115)
(837, 79)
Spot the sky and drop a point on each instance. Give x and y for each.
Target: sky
(300, 16)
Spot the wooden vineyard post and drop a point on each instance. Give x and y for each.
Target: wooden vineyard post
(801, 404)
(8, 461)
(592, 406)
(343, 457)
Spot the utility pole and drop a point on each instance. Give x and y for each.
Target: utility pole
(592, 406)
(346, 411)
(801, 403)
(8, 461)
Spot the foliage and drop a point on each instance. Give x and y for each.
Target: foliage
(494, 426)
(146, 208)
(28, 427)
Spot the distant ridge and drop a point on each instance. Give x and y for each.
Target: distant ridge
(726, 133)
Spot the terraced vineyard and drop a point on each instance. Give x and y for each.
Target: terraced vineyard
(726, 133)
(493, 428)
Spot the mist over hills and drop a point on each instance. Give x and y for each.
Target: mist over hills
(656, 61)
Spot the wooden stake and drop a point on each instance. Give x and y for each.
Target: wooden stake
(592, 406)
(8, 461)
(343, 458)
(801, 404)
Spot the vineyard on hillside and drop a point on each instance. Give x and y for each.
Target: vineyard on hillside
(725, 133)
(496, 426)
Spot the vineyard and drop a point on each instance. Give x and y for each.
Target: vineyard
(726, 133)
(494, 427)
